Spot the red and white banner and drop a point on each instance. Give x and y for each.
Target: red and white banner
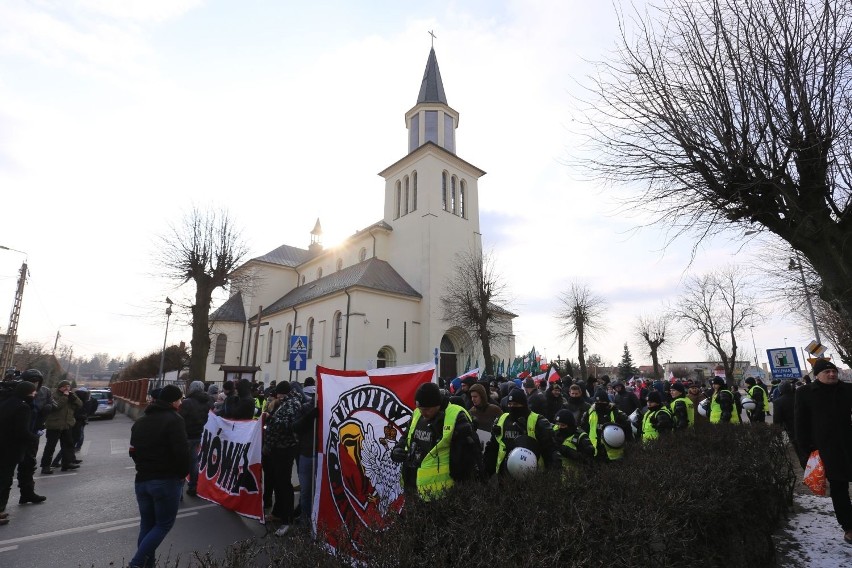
(362, 415)
(229, 469)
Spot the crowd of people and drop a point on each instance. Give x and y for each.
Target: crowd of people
(472, 429)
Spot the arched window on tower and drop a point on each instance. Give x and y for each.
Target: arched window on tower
(462, 188)
(444, 177)
(405, 209)
(337, 336)
(310, 338)
(398, 199)
(221, 346)
(414, 191)
(453, 196)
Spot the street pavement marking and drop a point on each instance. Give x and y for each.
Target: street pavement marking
(131, 525)
(119, 445)
(54, 475)
(8, 548)
(84, 450)
(73, 530)
(130, 467)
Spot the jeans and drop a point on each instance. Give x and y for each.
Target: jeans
(158, 501)
(306, 488)
(193, 468)
(66, 447)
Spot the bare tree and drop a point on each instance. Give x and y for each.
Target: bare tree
(582, 314)
(205, 248)
(718, 306)
(653, 332)
(475, 301)
(736, 113)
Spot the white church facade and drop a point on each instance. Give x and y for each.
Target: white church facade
(374, 300)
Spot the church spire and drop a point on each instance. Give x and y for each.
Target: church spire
(432, 119)
(432, 88)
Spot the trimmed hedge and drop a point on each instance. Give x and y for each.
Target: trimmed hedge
(712, 497)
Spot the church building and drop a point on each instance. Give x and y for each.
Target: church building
(374, 300)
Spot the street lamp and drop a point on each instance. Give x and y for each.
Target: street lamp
(794, 264)
(56, 341)
(162, 376)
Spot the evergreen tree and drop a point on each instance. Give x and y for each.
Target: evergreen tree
(626, 368)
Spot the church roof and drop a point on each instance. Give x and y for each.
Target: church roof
(288, 256)
(432, 88)
(232, 310)
(373, 274)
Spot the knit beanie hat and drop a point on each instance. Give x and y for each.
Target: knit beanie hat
(821, 365)
(565, 416)
(519, 396)
(170, 393)
(428, 395)
(718, 381)
(68, 383)
(196, 386)
(750, 381)
(678, 387)
(655, 396)
(24, 388)
(310, 382)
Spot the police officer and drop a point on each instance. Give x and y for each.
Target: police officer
(657, 418)
(602, 413)
(520, 427)
(761, 400)
(573, 445)
(440, 447)
(723, 407)
(681, 407)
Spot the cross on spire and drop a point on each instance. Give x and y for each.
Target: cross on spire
(432, 33)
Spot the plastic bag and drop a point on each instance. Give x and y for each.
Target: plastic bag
(815, 474)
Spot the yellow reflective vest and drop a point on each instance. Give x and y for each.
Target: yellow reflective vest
(433, 475)
(690, 409)
(716, 408)
(612, 454)
(532, 420)
(765, 396)
(648, 431)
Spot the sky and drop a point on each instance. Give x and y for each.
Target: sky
(117, 118)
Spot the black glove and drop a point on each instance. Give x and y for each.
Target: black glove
(399, 454)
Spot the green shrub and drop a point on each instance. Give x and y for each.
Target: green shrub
(707, 498)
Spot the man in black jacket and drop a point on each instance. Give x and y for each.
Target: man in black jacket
(194, 409)
(15, 417)
(823, 420)
(159, 447)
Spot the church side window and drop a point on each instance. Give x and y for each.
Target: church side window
(431, 126)
(405, 209)
(270, 336)
(398, 200)
(414, 191)
(339, 264)
(462, 188)
(221, 346)
(449, 138)
(385, 358)
(338, 334)
(362, 254)
(303, 279)
(289, 337)
(311, 338)
(444, 177)
(453, 196)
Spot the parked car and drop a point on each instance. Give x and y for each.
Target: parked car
(106, 405)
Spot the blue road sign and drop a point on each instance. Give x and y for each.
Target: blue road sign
(298, 352)
(784, 363)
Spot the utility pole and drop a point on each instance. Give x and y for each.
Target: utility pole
(12, 331)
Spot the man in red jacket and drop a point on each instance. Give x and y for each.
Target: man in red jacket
(160, 449)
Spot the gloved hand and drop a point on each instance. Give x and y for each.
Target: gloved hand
(399, 453)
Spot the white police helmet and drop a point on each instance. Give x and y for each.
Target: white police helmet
(521, 462)
(748, 403)
(703, 406)
(613, 436)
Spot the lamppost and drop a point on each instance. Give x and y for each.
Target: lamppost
(797, 263)
(161, 376)
(56, 341)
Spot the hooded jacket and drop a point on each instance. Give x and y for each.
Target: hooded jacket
(194, 410)
(63, 416)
